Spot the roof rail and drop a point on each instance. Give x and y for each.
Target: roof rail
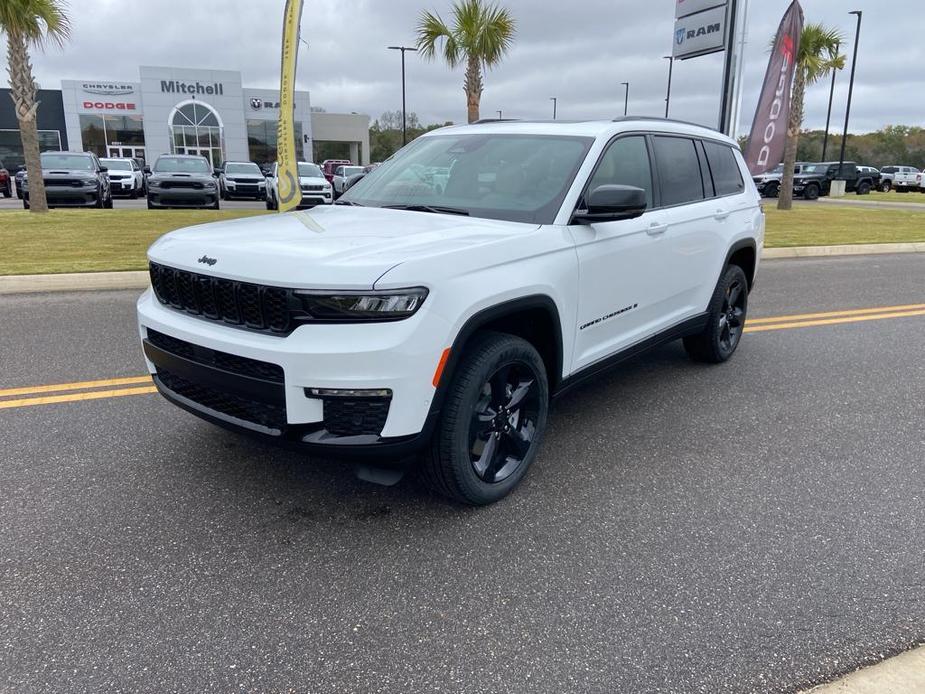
(620, 119)
(494, 120)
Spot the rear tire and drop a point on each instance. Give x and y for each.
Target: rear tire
(8, 191)
(811, 192)
(885, 187)
(492, 421)
(772, 190)
(727, 312)
(864, 189)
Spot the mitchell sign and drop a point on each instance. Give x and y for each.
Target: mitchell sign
(174, 86)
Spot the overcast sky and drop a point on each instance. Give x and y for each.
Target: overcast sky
(578, 51)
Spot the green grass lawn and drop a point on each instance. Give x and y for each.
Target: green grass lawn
(90, 240)
(892, 196)
(97, 240)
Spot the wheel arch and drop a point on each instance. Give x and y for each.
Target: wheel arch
(534, 318)
(744, 253)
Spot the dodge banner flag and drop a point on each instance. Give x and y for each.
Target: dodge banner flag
(766, 143)
(287, 177)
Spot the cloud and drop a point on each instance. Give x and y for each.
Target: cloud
(578, 52)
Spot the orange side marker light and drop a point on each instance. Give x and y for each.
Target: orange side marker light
(440, 366)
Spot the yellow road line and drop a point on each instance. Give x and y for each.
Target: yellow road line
(74, 397)
(749, 328)
(834, 314)
(82, 385)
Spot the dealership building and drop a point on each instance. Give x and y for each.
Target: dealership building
(180, 111)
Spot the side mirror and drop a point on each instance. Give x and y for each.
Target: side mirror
(353, 180)
(216, 172)
(612, 202)
(147, 170)
(104, 169)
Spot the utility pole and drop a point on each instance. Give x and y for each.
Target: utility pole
(404, 124)
(555, 101)
(854, 64)
(828, 116)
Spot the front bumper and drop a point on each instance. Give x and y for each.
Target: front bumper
(122, 186)
(182, 197)
(399, 356)
(313, 199)
(245, 190)
(69, 197)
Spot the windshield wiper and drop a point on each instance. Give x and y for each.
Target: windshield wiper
(347, 202)
(428, 208)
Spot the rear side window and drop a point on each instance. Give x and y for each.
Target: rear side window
(678, 170)
(727, 177)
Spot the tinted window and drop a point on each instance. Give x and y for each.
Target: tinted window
(626, 162)
(71, 162)
(678, 170)
(708, 189)
(725, 169)
(196, 165)
(310, 171)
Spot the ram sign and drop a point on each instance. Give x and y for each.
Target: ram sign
(699, 34)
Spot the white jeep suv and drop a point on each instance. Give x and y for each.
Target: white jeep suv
(315, 187)
(409, 320)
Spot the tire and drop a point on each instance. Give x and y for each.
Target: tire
(864, 188)
(25, 203)
(150, 206)
(492, 421)
(216, 205)
(811, 192)
(885, 187)
(772, 190)
(107, 203)
(99, 201)
(727, 313)
(8, 191)
(134, 194)
(271, 202)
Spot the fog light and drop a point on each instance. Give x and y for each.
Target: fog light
(348, 392)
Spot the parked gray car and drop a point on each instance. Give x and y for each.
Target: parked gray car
(182, 180)
(72, 179)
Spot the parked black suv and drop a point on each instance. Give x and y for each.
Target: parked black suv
(182, 180)
(816, 179)
(72, 179)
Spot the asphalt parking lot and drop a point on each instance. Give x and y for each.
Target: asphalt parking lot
(752, 527)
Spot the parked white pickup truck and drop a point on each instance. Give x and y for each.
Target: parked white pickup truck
(899, 178)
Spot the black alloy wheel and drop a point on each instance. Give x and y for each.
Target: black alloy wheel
(725, 320)
(491, 422)
(504, 422)
(811, 191)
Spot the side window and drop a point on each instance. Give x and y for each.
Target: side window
(727, 176)
(626, 162)
(339, 171)
(708, 188)
(678, 170)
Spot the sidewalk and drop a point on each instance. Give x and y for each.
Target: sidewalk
(903, 674)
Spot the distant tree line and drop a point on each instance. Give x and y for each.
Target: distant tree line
(385, 133)
(894, 144)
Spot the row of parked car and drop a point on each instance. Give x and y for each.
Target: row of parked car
(812, 179)
(81, 179)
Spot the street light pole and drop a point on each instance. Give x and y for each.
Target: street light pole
(499, 114)
(854, 64)
(404, 124)
(828, 117)
(670, 60)
(555, 102)
(626, 98)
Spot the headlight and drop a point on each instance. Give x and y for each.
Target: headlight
(154, 183)
(209, 185)
(363, 306)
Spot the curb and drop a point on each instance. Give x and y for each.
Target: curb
(853, 249)
(92, 281)
(73, 282)
(902, 674)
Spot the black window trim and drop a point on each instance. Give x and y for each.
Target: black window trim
(710, 168)
(656, 194)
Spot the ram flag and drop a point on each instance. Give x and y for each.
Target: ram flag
(769, 129)
(287, 177)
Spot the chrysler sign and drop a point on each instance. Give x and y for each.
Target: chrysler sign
(699, 34)
(683, 8)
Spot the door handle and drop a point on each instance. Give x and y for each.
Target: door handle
(655, 229)
(721, 215)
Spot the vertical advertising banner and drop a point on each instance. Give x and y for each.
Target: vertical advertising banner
(287, 177)
(768, 138)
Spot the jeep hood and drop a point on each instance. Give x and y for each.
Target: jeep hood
(332, 246)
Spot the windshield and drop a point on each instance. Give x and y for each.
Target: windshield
(116, 164)
(246, 168)
(310, 171)
(72, 162)
(191, 165)
(508, 176)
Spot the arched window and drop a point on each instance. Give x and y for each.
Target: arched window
(195, 128)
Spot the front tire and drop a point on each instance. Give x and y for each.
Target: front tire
(772, 190)
(727, 312)
(492, 421)
(811, 192)
(885, 187)
(864, 189)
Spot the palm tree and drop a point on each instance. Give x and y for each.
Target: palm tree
(29, 23)
(480, 36)
(817, 56)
